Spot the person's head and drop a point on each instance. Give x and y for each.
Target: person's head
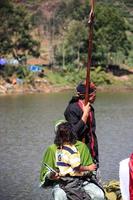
(64, 134)
(81, 89)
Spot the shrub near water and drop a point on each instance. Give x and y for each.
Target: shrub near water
(71, 76)
(8, 70)
(100, 77)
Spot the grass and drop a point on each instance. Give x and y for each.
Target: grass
(101, 78)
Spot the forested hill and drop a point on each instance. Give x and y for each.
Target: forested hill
(59, 30)
(54, 33)
(65, 27)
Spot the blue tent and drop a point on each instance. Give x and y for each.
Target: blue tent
(3, 61)
(35, 68)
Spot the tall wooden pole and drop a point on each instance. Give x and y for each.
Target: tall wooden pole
(90, 38)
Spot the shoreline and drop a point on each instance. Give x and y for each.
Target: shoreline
(29, 89)
(47, 88)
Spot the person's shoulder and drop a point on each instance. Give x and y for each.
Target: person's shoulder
(52, 147)
(80, 144)
(73, 106)
(81, 147)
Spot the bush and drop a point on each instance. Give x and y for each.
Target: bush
(99, 76)
(8, 71)
(22, 72)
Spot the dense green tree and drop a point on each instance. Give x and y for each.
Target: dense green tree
(15, 31)
(110, 33)
(72, 43)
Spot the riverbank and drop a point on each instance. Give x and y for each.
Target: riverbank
(8, 89)
(56, 80)
(53, 85)
(28, 88)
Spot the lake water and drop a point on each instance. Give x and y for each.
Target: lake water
(26, 129)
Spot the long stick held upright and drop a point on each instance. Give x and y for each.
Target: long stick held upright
(90, 23)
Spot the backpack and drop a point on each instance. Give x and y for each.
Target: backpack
(112, 190)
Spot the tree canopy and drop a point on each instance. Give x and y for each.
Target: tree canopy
(65, 22)
(15, 31)
(110, 33)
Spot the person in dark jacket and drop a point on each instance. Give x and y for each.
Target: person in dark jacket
(82, 118)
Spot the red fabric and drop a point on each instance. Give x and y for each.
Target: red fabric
(92, 138)
(92, 86)
(131, 177)
(80, 103)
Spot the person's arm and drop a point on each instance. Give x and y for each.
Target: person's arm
(49, 159)
(86, 110)
(91, 167)
(86, 162)
(77, 118)
(85, 156)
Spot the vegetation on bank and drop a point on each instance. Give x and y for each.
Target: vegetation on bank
(21, 80)
(57, 33)
(100, 77)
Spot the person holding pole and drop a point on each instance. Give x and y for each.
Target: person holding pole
(82, 118)
(79, 111)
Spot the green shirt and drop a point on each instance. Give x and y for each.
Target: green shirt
(50, 159)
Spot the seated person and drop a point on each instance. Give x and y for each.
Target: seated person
(72, 163)
(67, 156)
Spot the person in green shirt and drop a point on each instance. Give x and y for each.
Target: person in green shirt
(67, 156)
(69, 187)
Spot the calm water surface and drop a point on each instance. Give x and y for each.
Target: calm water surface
(26, 129)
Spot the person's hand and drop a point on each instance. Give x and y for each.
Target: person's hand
(86, 110)
(54, 176)
(92, 167)
(91, 16)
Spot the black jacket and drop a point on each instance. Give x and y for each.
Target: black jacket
(73, 114)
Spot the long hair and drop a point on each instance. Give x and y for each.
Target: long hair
(64, 134)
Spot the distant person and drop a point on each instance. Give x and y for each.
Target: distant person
(3, 62)
(73, 179)
(82, 118)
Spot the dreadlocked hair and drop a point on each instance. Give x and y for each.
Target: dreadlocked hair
(64, 134)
